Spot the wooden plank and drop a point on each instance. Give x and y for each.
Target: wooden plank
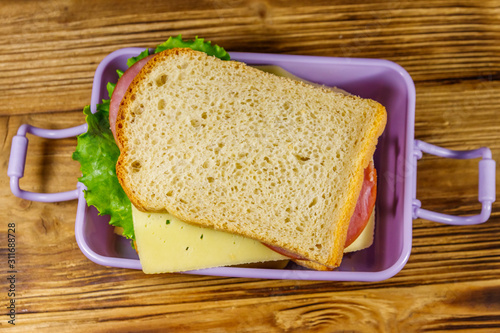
(61, 48)
(50, 50)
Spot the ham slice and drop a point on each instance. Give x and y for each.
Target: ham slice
(364, 206)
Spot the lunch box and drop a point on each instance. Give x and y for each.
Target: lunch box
(395, 159)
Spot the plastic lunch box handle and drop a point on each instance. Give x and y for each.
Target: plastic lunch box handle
(17, 161)
(486, 194)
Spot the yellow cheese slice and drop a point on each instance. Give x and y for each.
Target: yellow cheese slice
(167, 244)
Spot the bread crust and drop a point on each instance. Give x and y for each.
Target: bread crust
(338, 230)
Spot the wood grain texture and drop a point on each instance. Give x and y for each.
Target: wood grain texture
(49, 52)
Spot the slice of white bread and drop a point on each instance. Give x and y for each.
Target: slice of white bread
(364, 240)
(224, 145)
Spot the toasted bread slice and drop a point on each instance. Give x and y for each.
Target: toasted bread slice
(223, 145)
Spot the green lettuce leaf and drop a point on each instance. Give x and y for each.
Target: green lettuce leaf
(198, 44)
(98, 153)
(110, 87)
(133, 60)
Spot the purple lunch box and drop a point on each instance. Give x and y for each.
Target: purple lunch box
(395, 160)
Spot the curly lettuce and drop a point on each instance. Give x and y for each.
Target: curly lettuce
(197, 44)
(98, 153)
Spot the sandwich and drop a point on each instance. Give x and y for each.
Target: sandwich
(222, 146)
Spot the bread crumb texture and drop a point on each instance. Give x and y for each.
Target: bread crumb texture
(224, 145)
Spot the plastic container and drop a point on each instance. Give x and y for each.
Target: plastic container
(395, 160)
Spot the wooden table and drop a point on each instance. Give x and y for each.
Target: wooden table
(49, 53)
